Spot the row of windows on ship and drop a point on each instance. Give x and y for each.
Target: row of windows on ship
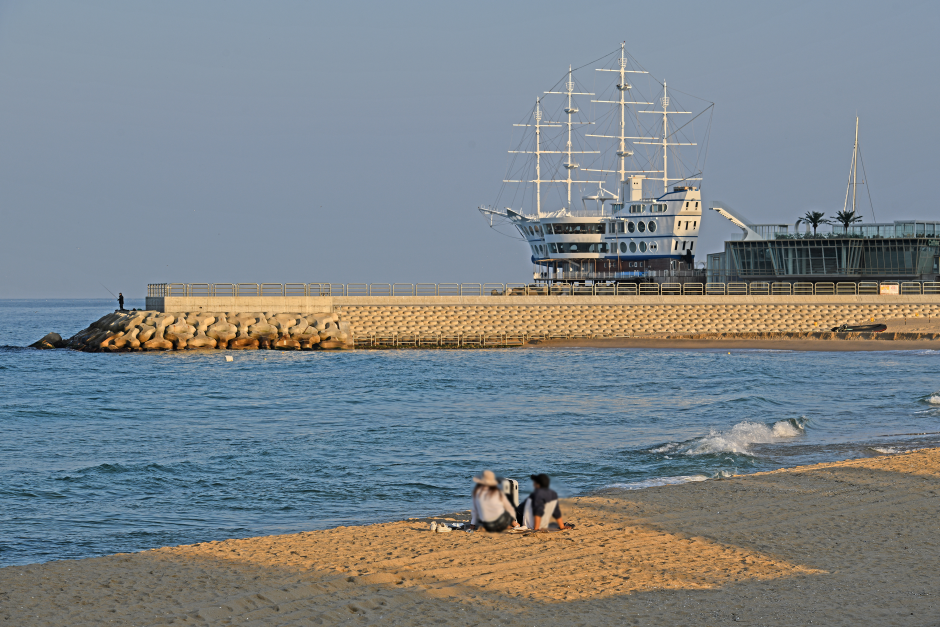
(600, 228)
(567, 248)
(659, 207)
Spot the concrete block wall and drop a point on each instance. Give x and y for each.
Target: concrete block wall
(611, 315)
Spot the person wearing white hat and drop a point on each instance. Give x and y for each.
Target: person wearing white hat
(491, 509)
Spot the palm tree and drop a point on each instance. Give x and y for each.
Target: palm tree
(847, 218)
(814, 219)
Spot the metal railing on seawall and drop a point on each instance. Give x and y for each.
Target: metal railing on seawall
(555, 289)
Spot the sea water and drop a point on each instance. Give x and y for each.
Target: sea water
(101, 453)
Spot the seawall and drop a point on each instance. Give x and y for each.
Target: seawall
(601, 316)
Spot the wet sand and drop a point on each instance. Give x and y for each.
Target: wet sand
(847, 543)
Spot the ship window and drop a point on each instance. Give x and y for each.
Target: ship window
(552, 248)
(604, 248)
(696, 205)
(651, 226)
(642, 247)
(632, 247)
(676, 247)
(636, 208)
(691, 244)
(683, 245)
(695, 224)
(640, 226)
(686, 225)
(687, 204)
(620, 227)
(930, 229)
(623, 247)
(631, 227)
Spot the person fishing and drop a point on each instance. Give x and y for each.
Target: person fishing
(121, 301)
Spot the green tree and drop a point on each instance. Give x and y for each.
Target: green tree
(847, 218)
(814, 219)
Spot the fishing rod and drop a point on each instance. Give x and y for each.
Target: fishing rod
(106, 287)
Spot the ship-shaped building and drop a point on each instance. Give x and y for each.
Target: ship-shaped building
(610, 191)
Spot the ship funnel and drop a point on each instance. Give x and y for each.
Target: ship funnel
(636, 187)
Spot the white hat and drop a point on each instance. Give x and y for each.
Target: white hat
(487, 478)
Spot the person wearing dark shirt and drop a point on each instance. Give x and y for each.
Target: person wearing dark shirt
(120, 300)
(533, 509)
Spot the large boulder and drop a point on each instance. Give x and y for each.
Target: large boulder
(50, 340)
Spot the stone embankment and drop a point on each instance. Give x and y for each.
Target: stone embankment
(156, 331)
(620, 320)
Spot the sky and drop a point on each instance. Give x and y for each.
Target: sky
(243, 142)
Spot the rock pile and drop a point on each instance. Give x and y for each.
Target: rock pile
(154, 330)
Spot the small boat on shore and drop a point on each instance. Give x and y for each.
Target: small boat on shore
(861, 328)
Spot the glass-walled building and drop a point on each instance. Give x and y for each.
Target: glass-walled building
(901, 251)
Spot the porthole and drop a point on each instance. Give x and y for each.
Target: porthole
(631, 227)
(632, 247)
(642, 247)
(653, 246)
(651, 226)
(623, 247)
(641, 226)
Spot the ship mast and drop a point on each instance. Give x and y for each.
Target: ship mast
(855, 166)
(571, 109)
(538, 152)
(623, 86)
(853, 174)
(538, 159)
(569, 164)
(665, 101)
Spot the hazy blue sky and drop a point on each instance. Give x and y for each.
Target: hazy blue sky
(352, 142)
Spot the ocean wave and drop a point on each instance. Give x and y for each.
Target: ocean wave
(738, 439)
(885, 450)
(933, 399)
(658, 481)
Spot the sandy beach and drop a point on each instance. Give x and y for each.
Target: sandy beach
(844, 543)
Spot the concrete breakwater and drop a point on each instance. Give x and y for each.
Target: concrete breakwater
(612, 319)
(332, 322)
(155, 330)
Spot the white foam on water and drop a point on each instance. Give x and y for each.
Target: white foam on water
(658, 481)
(934, 399)
(666, 448)
(885, 450)
(742, 435)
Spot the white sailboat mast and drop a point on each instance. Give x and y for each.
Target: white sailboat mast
(538, 158)
(569, 87)
(623, 87)
(855, 166)
(665, 101)
(853, 175)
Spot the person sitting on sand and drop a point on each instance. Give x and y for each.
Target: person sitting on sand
(491, 509)
(543, 499)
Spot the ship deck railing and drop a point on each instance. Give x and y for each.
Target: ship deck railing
(600, 288)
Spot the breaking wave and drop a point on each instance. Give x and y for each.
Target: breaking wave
(933, 399)
(738, 439)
